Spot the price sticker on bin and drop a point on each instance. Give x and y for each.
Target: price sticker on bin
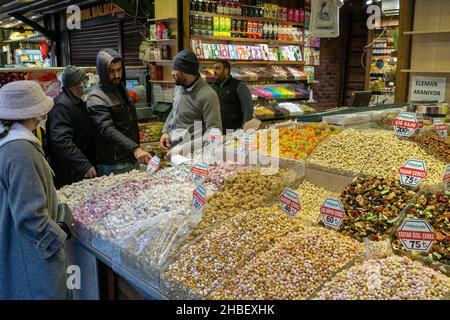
(199, 198)
(290, 202)
(405, 124)
(332, 212)
(199, 173)
(215, 135)
(413, 172)
(441, 128)
(153, 164)
(416, 235)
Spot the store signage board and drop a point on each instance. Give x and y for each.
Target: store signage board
(332, 213)
(153, 164)
(199, 173)
(428, 88)
(215, 135)
(290, 202)
(413, 172)
(416, 235)
(441, 128)
(405, 124)
(447, 177)
(199, 198)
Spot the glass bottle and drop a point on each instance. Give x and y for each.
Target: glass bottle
(210, 7)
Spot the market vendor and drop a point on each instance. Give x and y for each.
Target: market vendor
(194, 100)
(115, 119)
(236, 105)
(70, 132)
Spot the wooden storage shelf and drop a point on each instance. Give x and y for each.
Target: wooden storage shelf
(248, 40)
(162, 81)
(162, 19)
(424, 71)
(280, 99)
(162, 40)
(426, 32)
(160, 61)
(253, 62)
(210, 14)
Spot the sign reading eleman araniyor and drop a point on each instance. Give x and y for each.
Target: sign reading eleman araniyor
(428, 88)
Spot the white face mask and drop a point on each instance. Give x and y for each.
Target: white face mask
(42, 120)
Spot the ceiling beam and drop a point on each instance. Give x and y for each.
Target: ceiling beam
(36, 26)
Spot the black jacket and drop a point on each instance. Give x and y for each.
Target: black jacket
(114, 115)
(70, 139)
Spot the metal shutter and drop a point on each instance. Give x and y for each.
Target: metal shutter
(85, 43)
(131, 41)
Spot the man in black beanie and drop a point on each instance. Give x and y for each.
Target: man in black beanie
(70, 133)
(194, 100)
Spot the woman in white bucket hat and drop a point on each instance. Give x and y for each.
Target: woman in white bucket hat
(32, 258)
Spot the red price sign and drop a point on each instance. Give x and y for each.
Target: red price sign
(405, 124)
(413, 172)
(290, 202)
(332, 213)
(199, 172)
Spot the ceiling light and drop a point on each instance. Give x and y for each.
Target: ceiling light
(369, 2)
(33, 17)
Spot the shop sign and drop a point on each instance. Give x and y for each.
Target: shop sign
(416, 235)
(332, 213)
(405, 124)
(428, 88)
(215, 135)
(199, 198)
(102, 10)
(199, 172)
(447, 177)
(413, 172)
(290, 202)
(153, 164)
(441, 128)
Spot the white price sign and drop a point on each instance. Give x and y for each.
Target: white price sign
(332, 213)
(405, 124)
(199, 198)
(447, 177)
(290, 202)
(215, 135)
(153, 164)
(441, 128)
(247, 143)
(413, 172)
(416, 235)
(199, 172)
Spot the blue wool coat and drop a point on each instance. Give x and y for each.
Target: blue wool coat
(32, 258)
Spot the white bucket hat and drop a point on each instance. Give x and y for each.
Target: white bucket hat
(22, 100)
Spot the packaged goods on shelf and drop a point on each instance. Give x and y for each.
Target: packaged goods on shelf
(292, 268)
(373, 207)
(392, 278)
(432, 205)
(293, 109)
(209, 262)
(150, 131)
(278, 92)
(163, 92)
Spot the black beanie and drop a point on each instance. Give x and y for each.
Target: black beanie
(186, 61)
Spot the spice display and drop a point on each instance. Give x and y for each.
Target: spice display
(373, 206)
(75, 193)
(293, 268)
(378, 153)
(435, 208)
(392, 278)
(434, 145)
(312, 197)
(208, 263)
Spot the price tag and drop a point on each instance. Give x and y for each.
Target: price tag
(215, 135)
(153, 164)
(447, 177)
(416, 235)
(332, 213)
(199, 198)
(419, 117)
(290, 202)
(413, 172)
(246, 143)
(405, 124)
(199, 173)
(441, 128)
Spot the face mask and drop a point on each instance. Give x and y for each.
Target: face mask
(42, 120)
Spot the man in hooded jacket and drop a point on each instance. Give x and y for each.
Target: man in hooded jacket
(114, 116)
